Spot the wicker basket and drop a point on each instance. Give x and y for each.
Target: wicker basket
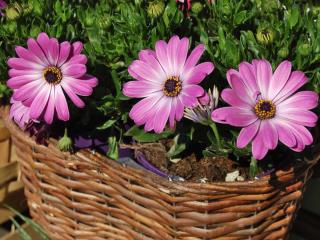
(88, 196)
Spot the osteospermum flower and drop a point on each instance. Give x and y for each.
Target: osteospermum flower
(46, 70)
(3, 5)
(168, 82)
(19, 113)
(266, 106)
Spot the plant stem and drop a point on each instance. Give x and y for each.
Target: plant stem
(253, 168)
(216, 133)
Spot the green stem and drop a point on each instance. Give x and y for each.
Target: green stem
(216, 133)
(253, 168)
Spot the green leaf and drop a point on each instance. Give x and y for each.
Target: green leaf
(23, 234)
(141, 136)
(176, 148)
(240, 17)
(116, 82)
(38, 229)
(107, 124)
(113, 152)
(292, 16)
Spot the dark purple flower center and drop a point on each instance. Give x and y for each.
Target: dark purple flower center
(172, 86)
(52, 75)
(265, 109)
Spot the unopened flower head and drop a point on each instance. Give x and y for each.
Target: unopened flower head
(202, 112)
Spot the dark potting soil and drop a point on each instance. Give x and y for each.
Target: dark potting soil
(210, 169)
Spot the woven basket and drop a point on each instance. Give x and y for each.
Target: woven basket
(88, 196)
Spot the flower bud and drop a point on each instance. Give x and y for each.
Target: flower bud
(65, 143)
(196, 7)
(12, 13)
(265, 36)
(283, 52)
(104, 22)
(155, 9)
(304, 49)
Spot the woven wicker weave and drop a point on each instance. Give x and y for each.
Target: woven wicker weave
(87, 196)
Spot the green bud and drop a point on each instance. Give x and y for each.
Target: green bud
(196, 7)
(283, 52)
(104, 22)
(34, 32)
(12, 13)
(265, 36)
(65, 143)
(304, 49)
(155, 9)
(10, 27)
(270, 5)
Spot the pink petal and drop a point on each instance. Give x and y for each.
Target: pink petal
(194, 57)
(179, 109)
(19, 81)
(28, 55)
(77, 48)
(78, 59)
(279, 78)
(29, 90)
(53, 51)
(44, 43)
(65, 48)
(249, 76)
(304, 100)
(188, 101)
(152, 63)
(299, 116)
(240, 88)
(198, 73)
(73, 70)
(264, 74)
(80, 87)
(22, 64)
(74, 98)
(182, 53)
(15, 72)
(145, 53)
(40, 102)
(247, 134)
(34, 47)
(49, 113)
(259, 150)
(234, 116)
(269, 134)
(145, 72)
(230, 97)
(161, 52)
(173, 112)
(140, 89)
(90, 80)
(193, 90)
(285, 133)
(172, 53)
(139, 110)
(296, 80)
(61, 104)
(162, 115)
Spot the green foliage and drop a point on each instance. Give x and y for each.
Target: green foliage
(114, 31)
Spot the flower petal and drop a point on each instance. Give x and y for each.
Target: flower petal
(259, 150)
(299, 116)
(269, 134)
(234, 116)
(230, 97)
(145, 72)
(49, 113)
(161, 52)
(304, 100)
(44, 42)
(182, 54)
(53, 52)
(194, 57)
(249, 76)
(172, 54)
(193, 90)
(247, 134)
(264, 74)
(197, 73)
(73, 70)
(162, 115)
(74, 98)
(22, 64)
(40, 102)
(65, 48)
(285, 133)
(29, 90)
(77, 48)
(28, 55)
(19, 81)
(61, 104)
(140, 89)
(279, 78)
(34, 47)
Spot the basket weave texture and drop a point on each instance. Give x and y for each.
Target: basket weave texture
(88, 196)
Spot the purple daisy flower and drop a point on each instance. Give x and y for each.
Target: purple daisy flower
(3, 5)
(43, 71)
(266, 106)
(168, 82)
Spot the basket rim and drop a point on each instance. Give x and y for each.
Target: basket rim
(147, 176)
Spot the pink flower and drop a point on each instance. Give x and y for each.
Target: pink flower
(266, 106)
(19, 113)
(168, 82)
(43, 71)
(185, 5)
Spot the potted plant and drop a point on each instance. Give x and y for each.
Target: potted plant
(168, 120)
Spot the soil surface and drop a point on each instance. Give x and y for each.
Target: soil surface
(209, 169)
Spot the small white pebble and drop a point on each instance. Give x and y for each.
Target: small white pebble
(240, 179)
(231, 177)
